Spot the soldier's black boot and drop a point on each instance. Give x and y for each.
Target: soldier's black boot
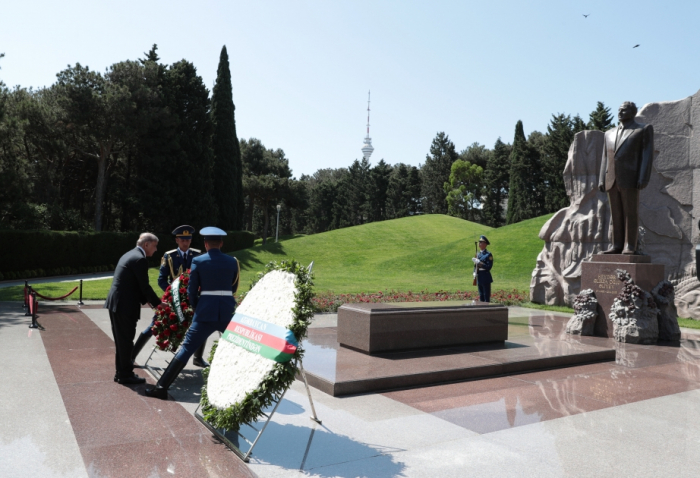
(140, 342)
(168, 377)
(198, 359)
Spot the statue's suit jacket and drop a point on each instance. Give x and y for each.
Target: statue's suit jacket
(629, 161)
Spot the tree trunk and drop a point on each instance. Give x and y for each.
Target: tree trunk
(100, 187)
(251, 209)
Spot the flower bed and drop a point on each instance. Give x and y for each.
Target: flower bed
(243, 380)
(329, 302)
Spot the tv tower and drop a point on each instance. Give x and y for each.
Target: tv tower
(367, 148)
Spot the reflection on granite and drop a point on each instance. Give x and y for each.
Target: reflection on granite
(534, 344)
(640, 372)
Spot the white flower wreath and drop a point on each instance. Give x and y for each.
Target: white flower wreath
(241, 381)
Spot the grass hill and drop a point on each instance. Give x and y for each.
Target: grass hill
(413, 253)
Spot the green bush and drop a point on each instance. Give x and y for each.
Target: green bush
(67, 252)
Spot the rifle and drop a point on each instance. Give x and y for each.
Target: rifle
(476, 253)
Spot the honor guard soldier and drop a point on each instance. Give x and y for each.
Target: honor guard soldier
(174, 263)
(483, 262)
(214, 278)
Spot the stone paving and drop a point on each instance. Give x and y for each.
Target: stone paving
(61, 415)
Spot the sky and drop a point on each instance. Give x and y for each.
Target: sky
(301, 70)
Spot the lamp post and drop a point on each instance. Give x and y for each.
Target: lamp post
(277, 232)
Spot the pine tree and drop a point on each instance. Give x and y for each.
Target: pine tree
(496, 183)
(524, 198)
(560, 134)
(578, 125)
(600, 118)
(228, 169)
(436, 172)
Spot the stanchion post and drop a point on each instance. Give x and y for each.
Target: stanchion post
(28, 312)
(80, 301)
(34, 303)
(26, 285)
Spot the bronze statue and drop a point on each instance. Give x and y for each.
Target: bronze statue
(624, 171)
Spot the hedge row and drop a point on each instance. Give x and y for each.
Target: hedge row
(47, 253)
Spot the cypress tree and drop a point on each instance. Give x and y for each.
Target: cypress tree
(600, 118)
(228, 169)
(524, 198)
(496, 182)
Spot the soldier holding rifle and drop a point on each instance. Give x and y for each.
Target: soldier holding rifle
(482, 269)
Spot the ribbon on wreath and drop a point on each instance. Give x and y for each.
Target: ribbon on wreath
(261, 337)
(175, 289)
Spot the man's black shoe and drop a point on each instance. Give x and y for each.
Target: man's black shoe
(200, 362)
(130, 380)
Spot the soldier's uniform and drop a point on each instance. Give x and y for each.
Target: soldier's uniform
(213, 281)
(483, 272)
(174, 263)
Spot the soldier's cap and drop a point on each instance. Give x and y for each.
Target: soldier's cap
(483, 239)
(184, 231)
(213, 233)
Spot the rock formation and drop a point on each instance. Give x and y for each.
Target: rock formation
(634, 313)
(586, 307)
(668, 315)
(669, 209)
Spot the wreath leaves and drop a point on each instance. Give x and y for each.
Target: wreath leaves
(282, 375)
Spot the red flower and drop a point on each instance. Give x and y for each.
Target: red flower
(184, 305)
(186, 280)
(160, 307)
(182, 290)
(168, 310)
(167, 289)
(172, 316)
(179, 336)
(154, 332)
(173, 327)
(166, 332)
(185, 324)
(166, 343)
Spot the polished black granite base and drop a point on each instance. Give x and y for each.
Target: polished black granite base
(538, 345)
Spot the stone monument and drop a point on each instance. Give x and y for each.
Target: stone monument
(625, 170)
(668, 210)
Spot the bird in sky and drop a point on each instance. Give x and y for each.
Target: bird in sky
(585, 16)
(635, 46)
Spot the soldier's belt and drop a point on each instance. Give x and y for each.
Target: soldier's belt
(216, 292)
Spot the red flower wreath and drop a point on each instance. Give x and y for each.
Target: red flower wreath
(172, 321)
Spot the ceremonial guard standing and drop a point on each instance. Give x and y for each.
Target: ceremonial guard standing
(214, 278)
(174, 263)
(483, 262)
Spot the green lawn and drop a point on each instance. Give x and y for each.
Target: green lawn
(414, 253)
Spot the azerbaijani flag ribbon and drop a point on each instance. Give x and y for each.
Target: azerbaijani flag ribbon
(263, 338)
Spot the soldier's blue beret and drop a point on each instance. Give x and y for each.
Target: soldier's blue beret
(213, 232)
(483, 239)
(184, 231)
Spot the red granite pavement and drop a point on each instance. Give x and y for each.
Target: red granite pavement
(122, 433)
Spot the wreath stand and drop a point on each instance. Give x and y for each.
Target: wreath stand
(233, 445)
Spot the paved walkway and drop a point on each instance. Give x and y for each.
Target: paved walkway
(63, 416)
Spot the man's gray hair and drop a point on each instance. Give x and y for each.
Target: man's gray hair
(146, 237)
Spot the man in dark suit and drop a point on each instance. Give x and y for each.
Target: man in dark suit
(174, 263)
(624, 171)
(214, 279)
(130, 289)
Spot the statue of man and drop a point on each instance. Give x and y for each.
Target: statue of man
(624, 171)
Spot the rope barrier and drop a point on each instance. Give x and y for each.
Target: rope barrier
(56, 298)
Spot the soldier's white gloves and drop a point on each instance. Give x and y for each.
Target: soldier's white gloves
(475, 260)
